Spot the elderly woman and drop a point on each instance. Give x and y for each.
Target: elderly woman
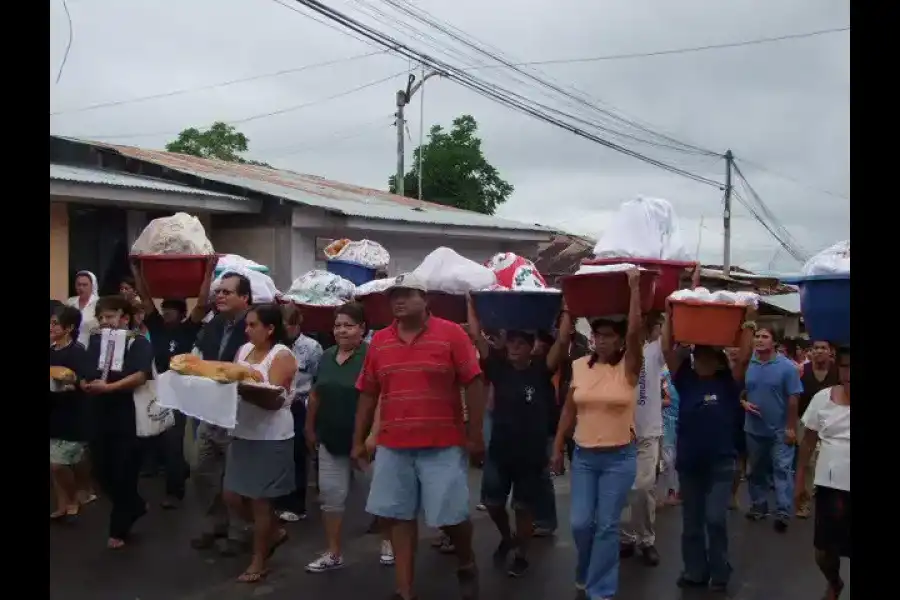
(85, 298)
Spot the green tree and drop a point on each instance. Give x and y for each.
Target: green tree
(221, 141)
(455, 172)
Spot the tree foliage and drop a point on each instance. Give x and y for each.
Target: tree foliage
(455, 172)
(221, 141)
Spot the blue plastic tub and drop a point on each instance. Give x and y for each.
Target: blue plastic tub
(351, 271)
(517, 310)
(825, 305)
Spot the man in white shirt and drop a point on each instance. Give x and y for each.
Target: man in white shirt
(638, 528)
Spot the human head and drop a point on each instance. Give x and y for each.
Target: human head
(265, 326)
(543, 341)
(113, 312)
(708, 360)
(233, 294)
(64, 323)
(609, 340)
(137, 313)
(127, 288)
(408, 297)
(84, 284)
(821, 352)
(842, 357)
(764, 340)
(173, 311)
(653, 325)
(349, 325)
(293, 319)
(519, 346)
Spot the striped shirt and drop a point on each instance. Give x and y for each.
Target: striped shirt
(419, 384)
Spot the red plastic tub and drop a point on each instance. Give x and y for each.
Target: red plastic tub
(670, 272)
(448, 306)
(316, 319)
(707, 323)
(174, 276)
(602, 294)
(377, 308)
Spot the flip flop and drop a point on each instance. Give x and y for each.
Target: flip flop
(252, 576)
(58, 515)
(278, 543)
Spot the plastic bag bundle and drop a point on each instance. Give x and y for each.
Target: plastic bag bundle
(363, 252)
(515, 272)
(320, 288)
(834, 260)
(375, 286)
(643, 228)
(236, 261)
(701, 294)
(446, 271)
(179, 234)
(262, 287)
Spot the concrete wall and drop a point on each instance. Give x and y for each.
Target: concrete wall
(265, 238)
(59, 251)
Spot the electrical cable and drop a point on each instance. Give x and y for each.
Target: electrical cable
(794, 180)
(65, 58)
(337, 136)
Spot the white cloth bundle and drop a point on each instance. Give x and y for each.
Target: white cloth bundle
(179, 234)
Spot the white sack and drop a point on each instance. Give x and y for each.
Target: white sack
(446, 271)
(236, 261)
(199, 397)
(831, 261)
(321, 288)
(261, 285)
(179, 234)
(375, 286)
(643, 228)
(363, 252)
(701, 294)
(588, 269)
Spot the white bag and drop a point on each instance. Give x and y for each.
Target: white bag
(150, 418)
(261, 285)
(236, 261)
(204, 399)
(834, 260)
(321, 288)
(446, 271)
(364, 252)
(375, 286)
(179, 234)
(643, 228)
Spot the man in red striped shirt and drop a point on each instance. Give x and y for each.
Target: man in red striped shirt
(417, 367)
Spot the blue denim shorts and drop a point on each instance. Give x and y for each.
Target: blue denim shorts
(433, 480)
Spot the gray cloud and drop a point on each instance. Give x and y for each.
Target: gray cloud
(783, 105)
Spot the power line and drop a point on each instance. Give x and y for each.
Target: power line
(337, 136)
(65, 58)
(213, 86)
(794, 180)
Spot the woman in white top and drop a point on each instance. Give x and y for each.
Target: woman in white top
(259, 465)
(85, 298)
(827, 421)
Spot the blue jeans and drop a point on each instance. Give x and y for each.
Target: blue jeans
(768, 459)
(705, 494)
(600, 479)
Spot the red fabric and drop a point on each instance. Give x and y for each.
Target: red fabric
(515, 272)
(419, 384)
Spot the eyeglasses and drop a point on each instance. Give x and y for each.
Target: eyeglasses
(223, 292)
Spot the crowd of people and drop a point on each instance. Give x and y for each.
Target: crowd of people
(638, 421)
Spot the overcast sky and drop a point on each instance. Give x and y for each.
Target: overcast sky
(783, 106)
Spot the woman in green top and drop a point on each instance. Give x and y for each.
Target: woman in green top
(330, 421)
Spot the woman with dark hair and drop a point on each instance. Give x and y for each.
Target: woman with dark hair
(600, 406)
(709, 390)
(259, 466)
(827, 424)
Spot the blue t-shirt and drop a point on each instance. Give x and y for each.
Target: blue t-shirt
(670, 412)
(769, 385)
(707, 411)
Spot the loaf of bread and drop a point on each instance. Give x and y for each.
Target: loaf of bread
(223, 372)
(62, 374)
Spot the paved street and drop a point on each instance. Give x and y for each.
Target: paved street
(160, 565)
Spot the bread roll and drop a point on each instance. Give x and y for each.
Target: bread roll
(62, 374)
(223, 372)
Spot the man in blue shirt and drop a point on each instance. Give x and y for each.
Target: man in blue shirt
(773, 390)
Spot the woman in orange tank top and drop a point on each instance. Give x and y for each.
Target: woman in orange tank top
(600, 407)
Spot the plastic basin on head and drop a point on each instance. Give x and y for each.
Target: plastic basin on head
(670, 272)
(351, 271)
(377, 308)
(707, 323)
(517, 310)
(317, 319)
(604, 294)
(260, 269)
(174, 276)
(825, 305)
(448, 306)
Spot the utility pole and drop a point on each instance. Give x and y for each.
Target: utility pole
(403, 98)
(726, 216)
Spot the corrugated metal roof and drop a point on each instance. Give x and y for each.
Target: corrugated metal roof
(311, 190)
(125, 180)
(786, 302)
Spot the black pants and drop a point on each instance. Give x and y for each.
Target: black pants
(116, 461)
(167, 449)
(296, 500)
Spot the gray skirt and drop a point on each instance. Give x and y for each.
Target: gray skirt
(260, 468)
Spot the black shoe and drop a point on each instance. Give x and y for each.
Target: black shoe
(626, 550)
(780, 525)
(518, 567)
(683, 582)
(650, 555)
(502, 552)
(468, 583)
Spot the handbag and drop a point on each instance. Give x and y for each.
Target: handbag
(151, 419)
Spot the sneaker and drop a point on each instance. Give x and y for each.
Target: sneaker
(650, 555)
(518, 567)
(326, 562)
(387, 554)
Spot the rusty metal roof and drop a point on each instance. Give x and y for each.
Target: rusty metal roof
(311, 190)
(125, 180)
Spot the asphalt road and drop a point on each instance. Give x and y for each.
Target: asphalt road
(160, 565)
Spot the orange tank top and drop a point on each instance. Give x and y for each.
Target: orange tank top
(604, 402)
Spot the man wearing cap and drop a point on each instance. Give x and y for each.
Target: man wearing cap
(416, 367)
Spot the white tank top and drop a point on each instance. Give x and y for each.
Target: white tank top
(253, 422)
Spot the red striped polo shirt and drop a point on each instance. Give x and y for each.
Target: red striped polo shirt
(419, 384)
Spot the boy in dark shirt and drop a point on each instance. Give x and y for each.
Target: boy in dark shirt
(110, 381)
(67, 409)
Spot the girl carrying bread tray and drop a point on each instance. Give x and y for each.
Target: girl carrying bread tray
(259, 466)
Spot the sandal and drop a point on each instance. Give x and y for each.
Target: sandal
(58, 515)
(249, 576)
(282, 538)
